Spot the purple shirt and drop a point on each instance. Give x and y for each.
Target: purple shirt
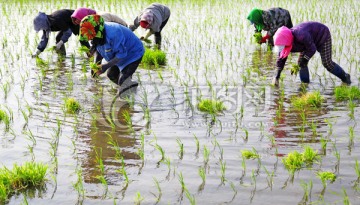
(309, 37)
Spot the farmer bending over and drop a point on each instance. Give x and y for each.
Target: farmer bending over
(120, 47)
(269, 20)
(59, 20)
(153, 18)
(306, 38)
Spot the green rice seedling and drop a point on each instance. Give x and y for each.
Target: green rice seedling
(347, 93)
(326, 176)
(206, 154)
(270, 177)
(141, 150)
(197, 145)
(257, 37)
(6, 88)
(4, 117)
(182, 182)
(309, 155)
(211, 106)
(307, 100)
(181, 148)
(153, 57)
(128, 121)
(248, 154)
(138, 198)
(323, 143)
(158, 198)
(83, 50)
(123, 171)
(162, 152)
(79, 185)
(293, 161)
(190, 197)
(307, 187)
(41, 63)
(30, 174)
(72, 106)
(346, 200)
(94, 67)
(352, 106)
(294, 70)
(223, 170)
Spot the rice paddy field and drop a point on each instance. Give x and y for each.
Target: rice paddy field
(205, 128)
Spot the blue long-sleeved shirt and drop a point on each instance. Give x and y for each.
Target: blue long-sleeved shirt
(120, 43)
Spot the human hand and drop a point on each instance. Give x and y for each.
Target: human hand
(36, 53)
(59, 44)
(263, 39)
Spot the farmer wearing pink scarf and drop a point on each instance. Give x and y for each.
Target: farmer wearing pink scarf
(80, 13)
(153, 18)
(306, 38)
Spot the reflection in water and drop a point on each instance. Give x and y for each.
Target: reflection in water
(112, 139)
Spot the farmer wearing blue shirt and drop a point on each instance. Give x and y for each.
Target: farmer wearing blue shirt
(120, 47)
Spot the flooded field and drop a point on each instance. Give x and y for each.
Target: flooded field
(152, 145)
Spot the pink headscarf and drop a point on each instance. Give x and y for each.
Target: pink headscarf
(284, 37)
(80, 13)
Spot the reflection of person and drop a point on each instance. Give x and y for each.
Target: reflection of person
(269, 20)
(120, 47)
(59, 20)
(306, 38)
(153, 18)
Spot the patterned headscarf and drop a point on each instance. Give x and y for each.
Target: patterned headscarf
(284, 37)
(147, 17)
(92, 28)
(80, 13)
(41, 22)
(255, 17)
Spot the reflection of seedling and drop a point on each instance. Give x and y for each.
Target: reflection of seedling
(313, 99)
(211, 106)
(347, 93)
(326, 176)
(72, 105)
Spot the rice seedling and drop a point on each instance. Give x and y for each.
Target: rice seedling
(309, 155)
(138, 198)
(153, 57)
(307, 187)
(248, 154)
(100, 165)
(71, 105)
(182, 182)
(308, 100)
(128, 121)
(206, 154)
(294, 70)
(293, 161)
(346, 200)
(223, 170)
(326, 176)
(347, 93)
(211, 106)
(181, 148)
(21, 177)
(158, 197)
(4, 118)
(162, 152)
(257, 37)
(197, 143)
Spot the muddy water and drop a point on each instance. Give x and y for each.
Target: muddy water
(210, 53)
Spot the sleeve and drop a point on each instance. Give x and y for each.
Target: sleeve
(44, 41)
(66, 35)
(110, 64)
(118, 47)
(135, 25)
(280, 63)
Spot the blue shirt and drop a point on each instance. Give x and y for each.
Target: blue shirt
(122, 43)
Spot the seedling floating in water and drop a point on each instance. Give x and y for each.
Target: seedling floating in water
(326, 176)
(248, 154)
(347, 93)
(313, 99)
(154, 57)
(72, 105)
(211, 106)
(295, 160)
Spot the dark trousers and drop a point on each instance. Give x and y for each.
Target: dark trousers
(158, 34)
(116, 77)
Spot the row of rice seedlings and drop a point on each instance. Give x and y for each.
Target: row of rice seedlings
(101, 167)
(153, 57)
(21, 177)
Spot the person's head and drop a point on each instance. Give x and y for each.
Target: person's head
(92, 29)
(146, 20)
(283, 40)
(41, 22)
(80, 13)
(255, 17)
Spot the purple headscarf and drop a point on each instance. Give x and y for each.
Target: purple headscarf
(41, 22)
(80, 13)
